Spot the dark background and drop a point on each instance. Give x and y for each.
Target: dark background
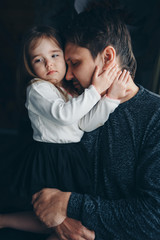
(16, 16)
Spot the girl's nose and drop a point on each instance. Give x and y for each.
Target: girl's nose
(49, 63)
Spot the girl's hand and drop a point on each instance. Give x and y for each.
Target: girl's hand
(102, 81)
(118, 89)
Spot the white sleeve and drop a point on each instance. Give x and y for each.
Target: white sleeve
(46, 101)
(99, 114)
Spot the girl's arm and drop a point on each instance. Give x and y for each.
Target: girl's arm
(26, 221)
(99, 114)
(44, 99)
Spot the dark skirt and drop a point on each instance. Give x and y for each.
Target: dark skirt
(39, 165)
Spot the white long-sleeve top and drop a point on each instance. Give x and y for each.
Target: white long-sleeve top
(54, 119)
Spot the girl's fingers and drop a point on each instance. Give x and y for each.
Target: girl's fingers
(111, 65)
(112, 68)
(126, 78)
(122, 75)
(109, 74)
(119, 73)
(114, 74)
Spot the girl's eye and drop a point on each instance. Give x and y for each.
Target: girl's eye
(54, 55)
(39, 60)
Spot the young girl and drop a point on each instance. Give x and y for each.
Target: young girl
(59, 116)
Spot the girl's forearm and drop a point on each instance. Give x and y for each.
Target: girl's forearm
(26, 221)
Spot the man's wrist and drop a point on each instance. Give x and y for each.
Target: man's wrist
(65, 203)
(74, 208)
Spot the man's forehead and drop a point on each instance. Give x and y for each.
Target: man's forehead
(73, 51)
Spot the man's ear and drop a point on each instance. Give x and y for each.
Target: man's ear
(109, 56)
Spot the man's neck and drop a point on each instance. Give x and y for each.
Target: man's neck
(132, 91)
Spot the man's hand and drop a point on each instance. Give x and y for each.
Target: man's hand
(50, 205)
(73, 230)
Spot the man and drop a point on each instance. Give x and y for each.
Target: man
(125, 202)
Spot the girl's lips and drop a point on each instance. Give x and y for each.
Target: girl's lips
(51, 72)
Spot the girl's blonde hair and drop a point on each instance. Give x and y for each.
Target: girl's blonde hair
(25, 71)
(29, 41)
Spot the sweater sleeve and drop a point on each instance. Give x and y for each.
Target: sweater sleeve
(99, 114)
(137, 217)
(45, 101)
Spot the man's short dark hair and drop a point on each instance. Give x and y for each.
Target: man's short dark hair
(98, 28)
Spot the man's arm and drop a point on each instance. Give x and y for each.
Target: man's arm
(136, 217)
(50, 206)
(73, 229)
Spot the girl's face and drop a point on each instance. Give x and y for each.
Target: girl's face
(47, 61)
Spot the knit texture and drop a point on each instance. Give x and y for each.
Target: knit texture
(125, 202)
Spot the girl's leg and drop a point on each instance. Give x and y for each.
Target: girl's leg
(26, 221)
(52, 237)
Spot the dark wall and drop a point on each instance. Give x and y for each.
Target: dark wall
(16, 16)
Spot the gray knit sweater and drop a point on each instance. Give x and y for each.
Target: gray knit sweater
(125, 202)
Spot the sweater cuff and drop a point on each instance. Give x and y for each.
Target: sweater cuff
(112, 100)
(94, 90)
(74, 206)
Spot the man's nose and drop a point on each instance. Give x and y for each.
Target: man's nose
(69, 74)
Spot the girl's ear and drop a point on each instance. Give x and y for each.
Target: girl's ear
(109, 56)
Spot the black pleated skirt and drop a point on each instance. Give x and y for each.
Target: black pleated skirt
(39, 165)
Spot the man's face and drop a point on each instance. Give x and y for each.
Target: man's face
(81, 65)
